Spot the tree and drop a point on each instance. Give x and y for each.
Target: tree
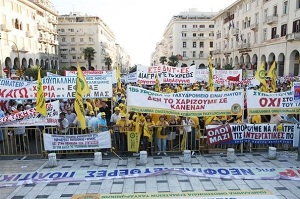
(107, 62)
(89, 55)
(173, 60)
(162, 60)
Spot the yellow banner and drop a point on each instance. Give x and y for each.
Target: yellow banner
(40, 98)
(133, 141)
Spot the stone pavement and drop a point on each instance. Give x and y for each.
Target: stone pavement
(282, 188)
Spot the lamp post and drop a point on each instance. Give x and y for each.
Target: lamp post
(19, 61)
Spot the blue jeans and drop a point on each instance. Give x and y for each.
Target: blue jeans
(1, 135)
(161, 144)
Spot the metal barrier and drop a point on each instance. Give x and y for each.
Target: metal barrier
(27, 141)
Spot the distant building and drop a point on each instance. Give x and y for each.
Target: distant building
(190, 36)
(28, 34)
(76, 31)
(250, 32)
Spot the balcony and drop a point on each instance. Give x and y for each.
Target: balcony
(185, 58)
(73, 60)
(62, 33)
(29, 34)
(244, 45)
(54, 21)
(42, 40)
(82, 43)
(24, 49)
(73, 52)
(90, 42)
(71, 33)
(73, 43)
(6, 27)
(41, 27)
(226, 36)
(272, 20)
(81, 60)
(64, 60)
(293, 36)
(254, 26)
(80, 33)
(234, 31)
(63, 52)
(217, 51)
(47, 29)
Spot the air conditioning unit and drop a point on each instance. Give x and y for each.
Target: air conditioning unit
(276, 36)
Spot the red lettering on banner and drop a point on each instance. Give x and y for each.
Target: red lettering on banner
(269, 102)
(3, 105)
(218, 135)
(184, 70)
(14, 93)
(289, 173)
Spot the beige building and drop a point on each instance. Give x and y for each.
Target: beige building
(77, 31)
(189, 35)
(251, 31)
(28, 34)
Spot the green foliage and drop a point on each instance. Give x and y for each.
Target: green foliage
(107, 62)
(173, 60)
(162, 60)
(228, 67)
(33, 72)
(89, 55)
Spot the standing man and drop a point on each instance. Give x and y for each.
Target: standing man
(62, 128)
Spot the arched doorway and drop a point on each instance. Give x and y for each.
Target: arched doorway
(30, 63)
(223, 63)
(263, 60)
(56, 65)
(231, 61)
(202, 66)
(236, 62)
(83, 68)
(216, 62)
(254, 62)
(37, 62)
(7, 62)
(24, 63)
(271, 59)
(294, 63)
(16, 63)
(52, 64)
(242, 62)
(42, 64)
(47, 64)
(248, 62)
(280, 65)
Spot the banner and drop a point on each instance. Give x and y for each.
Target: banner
(261, 103)
(166, 74)
(296, 136)
(31, 117)
(52, 74)
(296, 91)
(55, 87)
(188, 103)
(233, 173)
(236, 194)
(133, 141)
(55, 142)
(220, 76)
(250, 133)
(85, 72)
(131, 78)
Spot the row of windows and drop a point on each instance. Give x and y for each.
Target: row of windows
(73, 39)
(198, 26)
(201, 44)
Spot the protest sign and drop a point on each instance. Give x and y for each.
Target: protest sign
(85, 72)
(166, 74)
(188, 103)
(54, 142)
(31, 117)
(261, 103)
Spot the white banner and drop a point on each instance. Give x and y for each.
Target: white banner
(131, 77)
(31, 117)
(261, 103)
(166, 74)
(188, 103)
(55, 87)
(85, 72)
(296, 135)
(220, 76)
(52, 74)
(54, 142)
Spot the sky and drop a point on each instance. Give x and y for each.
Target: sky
(138, 24)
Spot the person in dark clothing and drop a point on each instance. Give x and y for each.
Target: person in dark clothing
(107, 110)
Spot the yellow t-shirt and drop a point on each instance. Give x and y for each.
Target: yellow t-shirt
(256, 119)
(160, 129)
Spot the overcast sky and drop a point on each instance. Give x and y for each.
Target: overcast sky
(138, 24)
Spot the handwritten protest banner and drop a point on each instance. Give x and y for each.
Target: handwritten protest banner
(53, 142)
(31, 117)
(166, 74)
(261, 103)
(85, 72)
(55, 87)
(296, 86)
(131, 77)
(240, 173)
(250, 133)
(188, 103)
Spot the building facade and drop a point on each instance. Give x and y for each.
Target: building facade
(77, 31)
(28, 35)
(251, 32)
(190, 36)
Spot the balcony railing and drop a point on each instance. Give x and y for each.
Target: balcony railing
(41, 27)
(63, 43)
(235, 31)
(272, 19)
(82, 43)
(6, 27)
(73, 52)
(62, 33)
(293, 36)
(71, 33)
(64, 60)
(254, 26)
(80, 33)
(73, 43)
(226, 36)
(217, 51)
(29, 34)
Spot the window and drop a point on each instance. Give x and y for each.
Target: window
(81, 40)
(183, 26)
(211, 34)
(63, 39)
(72, 49)
(73, 39)
(195, 26)
(231, 42)
(211, 26)
(74, 57)
(184, 44)
(201, 26)
(298, 4)
(275, 11)
(183, 53)
(183, 34)
(255, 37)
(194, 44)
(201, 44)
(71, 30)
(248, 37)
(211, 44)
(194, 34)
(248, 6)
(201, 34)
(296, 26)
(283, 30)
(62, 30)
(201, 54)
(194, 53)
(265, 34)
(285, 7)
(91, 39)
(256, 17)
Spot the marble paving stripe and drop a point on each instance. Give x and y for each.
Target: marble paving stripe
(74, 183)
(42, 196)
(281, 188)
(96, 183)
(66, 195)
